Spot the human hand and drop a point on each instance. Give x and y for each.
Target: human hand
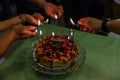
(38, 16)
(90, 24)
(51, 9)
(31, 19)
(23, 32)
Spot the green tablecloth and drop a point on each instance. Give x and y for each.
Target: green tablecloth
(102, 60)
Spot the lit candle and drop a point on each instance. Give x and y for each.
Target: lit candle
(41, 36)
(36, 30)
(72, 36)
(39, 22)
(56, 17)
(71, 33)
(53, 34)
(68, 38)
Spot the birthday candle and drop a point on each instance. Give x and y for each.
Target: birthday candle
(39, 31)
(37, 35)
(41, 36)
(56, 17)
(39, 22)
(53, 34)
(68, 38)
(36, 30)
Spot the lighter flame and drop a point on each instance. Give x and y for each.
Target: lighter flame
(47, 21)
(72, 22)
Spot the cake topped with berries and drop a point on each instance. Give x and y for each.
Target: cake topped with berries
(56, 52)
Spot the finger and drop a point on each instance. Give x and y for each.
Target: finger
(85, 29)
(50, 13)
(30, 28)
(30, 19)
(82, 22)
(81, 28)
(28, 34)
(60, 14)
(34, 33)
(33, 21)
(92, 32)
(38, 16)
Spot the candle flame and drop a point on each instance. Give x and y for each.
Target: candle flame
(71, 33)
(36, 30)
(40, 32)
(53, 34)
(56, 16)
(47, 21)
(68, 37)
(39, 22)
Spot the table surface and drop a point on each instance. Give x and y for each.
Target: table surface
(102, 60)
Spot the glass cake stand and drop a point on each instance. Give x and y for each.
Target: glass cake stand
(77, 63)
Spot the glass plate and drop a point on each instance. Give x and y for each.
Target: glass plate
(77, 63)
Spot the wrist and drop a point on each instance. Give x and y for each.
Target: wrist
(104, 25)
(98, 25)
(22, 18)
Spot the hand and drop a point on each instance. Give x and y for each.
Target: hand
(38, 16)
(51, 9)
(23, 32)
(90, 24)
(31, 19)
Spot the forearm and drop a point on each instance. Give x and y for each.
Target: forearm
(40, 3)
(114, 26)
(9, 23)
(5, 41)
